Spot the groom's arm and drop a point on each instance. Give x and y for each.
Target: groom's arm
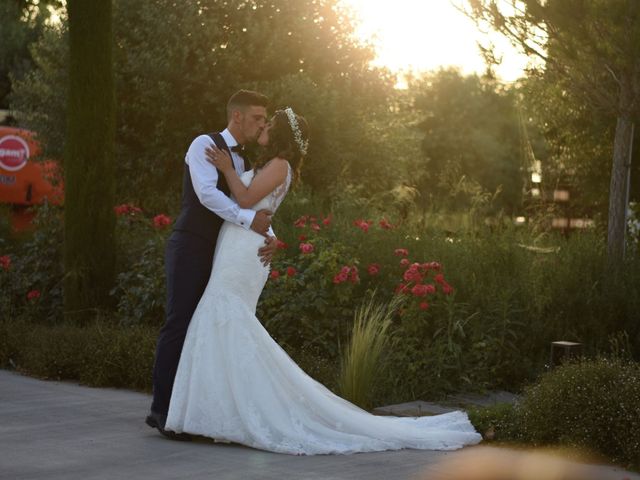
(204, 178)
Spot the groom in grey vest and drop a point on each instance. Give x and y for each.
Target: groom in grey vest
(189, 252)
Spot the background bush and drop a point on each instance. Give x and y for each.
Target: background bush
(100, 354)
(590, 405)
(36, 267)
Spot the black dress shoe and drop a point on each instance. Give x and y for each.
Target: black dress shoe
(157, 420)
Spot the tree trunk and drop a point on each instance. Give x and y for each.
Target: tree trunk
(89, 248)
(619, 182)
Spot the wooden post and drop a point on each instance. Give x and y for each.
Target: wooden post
(561, 351)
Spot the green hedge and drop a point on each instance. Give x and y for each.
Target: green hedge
(591, 405)
(98, 354)
(104, 354)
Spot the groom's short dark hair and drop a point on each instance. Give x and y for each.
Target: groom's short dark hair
(243, 99)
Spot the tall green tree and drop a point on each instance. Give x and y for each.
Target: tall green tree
(579, 143)
(21, 23)
(470, 142)
(89, 230)
(596, 45)
(176, 64)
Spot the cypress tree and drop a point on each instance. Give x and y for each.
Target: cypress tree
(89, 231)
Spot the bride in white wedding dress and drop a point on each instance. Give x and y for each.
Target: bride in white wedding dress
(235, 383)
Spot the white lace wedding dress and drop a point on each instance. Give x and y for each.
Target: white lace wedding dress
(234, 382)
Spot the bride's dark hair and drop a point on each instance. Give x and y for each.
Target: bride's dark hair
(282, 142)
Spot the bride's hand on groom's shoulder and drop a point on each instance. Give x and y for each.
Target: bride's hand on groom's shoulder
(219, 158)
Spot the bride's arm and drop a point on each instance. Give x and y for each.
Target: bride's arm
(266, 180)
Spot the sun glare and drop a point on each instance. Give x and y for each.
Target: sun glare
(423, 35)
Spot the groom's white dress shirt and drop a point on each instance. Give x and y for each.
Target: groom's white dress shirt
(204, 177)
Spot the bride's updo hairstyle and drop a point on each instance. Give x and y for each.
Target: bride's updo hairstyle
(288, 139)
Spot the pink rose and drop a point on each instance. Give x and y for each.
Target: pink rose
(301, 222)
(121, 209)
(385, 225)
(291, 271)
(373, 269)
(355, 278)
(419, 290)
(362, 225)
(275, 274)
(340, 278)
(412, 275)
(126, 209)
(5, 262)
(447, 289)
(306, 248)
(401, 252)
(161, 220)
(33, 294)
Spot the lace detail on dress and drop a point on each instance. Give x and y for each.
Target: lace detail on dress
(277, 196)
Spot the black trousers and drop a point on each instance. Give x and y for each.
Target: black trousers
(188, 262)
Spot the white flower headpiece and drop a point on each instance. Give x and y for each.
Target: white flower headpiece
(295, 128)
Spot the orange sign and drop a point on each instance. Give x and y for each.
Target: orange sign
(24, 180)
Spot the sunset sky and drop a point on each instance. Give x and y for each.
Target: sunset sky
(427, 34)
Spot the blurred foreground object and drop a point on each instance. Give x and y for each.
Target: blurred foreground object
(486, 463)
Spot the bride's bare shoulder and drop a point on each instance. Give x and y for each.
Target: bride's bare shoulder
(278, 164)
(278, 161)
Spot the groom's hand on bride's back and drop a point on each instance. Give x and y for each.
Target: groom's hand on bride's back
(267, 252)
(261, 222)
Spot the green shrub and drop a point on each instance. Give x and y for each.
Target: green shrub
(99, 354)
(498, 422)
(31, 285)
(592, 404)
(139, 293)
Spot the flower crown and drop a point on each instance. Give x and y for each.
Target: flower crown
(295, 128)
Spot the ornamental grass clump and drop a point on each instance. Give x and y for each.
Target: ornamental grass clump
(591, 404)
(361, 363)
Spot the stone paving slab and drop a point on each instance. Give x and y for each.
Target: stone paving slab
(419, 408)
(63, 431)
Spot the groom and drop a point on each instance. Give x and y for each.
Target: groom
(189, 253)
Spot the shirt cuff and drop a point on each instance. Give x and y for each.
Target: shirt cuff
(245, 218)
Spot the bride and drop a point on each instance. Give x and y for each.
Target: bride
(234, 383)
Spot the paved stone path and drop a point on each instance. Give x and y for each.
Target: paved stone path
(58, 430)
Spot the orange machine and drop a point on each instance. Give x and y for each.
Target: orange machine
(25, 179)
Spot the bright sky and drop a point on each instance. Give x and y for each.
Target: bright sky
(423, 35)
